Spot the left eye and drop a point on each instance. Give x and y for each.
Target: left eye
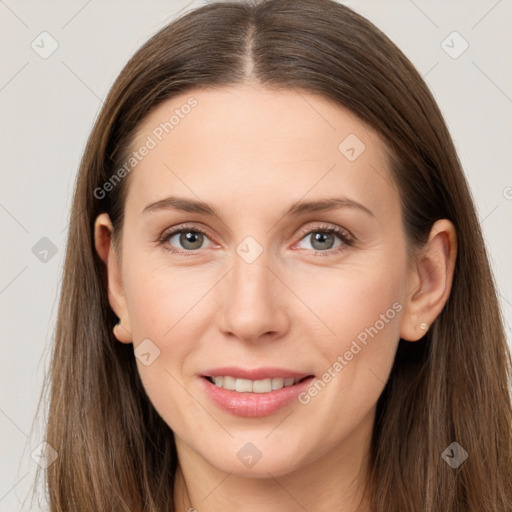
(325, 239)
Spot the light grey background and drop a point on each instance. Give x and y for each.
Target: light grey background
(48, 105)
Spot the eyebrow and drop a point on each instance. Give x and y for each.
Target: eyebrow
(296, 209)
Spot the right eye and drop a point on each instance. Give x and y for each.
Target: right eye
(190, 239)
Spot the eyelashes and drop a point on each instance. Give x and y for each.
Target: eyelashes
(199, 235)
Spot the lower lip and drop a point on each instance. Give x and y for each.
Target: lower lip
(252, 405)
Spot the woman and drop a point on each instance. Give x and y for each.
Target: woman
(276, 293)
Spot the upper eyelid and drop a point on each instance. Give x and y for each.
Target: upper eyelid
(183, 227)
(327, 227)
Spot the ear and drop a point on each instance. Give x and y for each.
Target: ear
(430, 281)
(103, 231)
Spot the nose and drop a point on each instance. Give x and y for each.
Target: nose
(253, 302)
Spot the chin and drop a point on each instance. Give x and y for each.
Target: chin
(258, 459)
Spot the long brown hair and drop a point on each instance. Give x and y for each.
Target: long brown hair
(115, 451)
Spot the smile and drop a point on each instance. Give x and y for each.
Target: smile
(253, 386)
(256, 392)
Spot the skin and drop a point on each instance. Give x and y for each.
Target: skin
(250, 152)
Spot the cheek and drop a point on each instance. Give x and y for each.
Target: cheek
(159, 293)
(167, 307)
(354, 300)
(361, 309)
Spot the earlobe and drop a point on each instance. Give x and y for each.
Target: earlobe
(122, 333)
(430, 281)
(103, 231)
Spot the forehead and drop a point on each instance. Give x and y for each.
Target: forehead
(251, 141)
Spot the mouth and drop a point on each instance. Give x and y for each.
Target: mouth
(267, 392)
(268, 385)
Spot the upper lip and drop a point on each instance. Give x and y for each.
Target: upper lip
(254, 373)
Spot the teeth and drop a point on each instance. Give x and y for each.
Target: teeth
(262, 386)
(228, 383)
(253, 386)
(243, 385)
(277, 383)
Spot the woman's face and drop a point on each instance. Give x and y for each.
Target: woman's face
(230, 268)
